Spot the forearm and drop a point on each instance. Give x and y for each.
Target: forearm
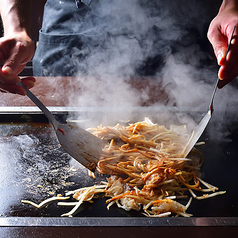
(15, 16)
(229, 4)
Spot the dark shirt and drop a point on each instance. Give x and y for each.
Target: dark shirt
(64, 16)
(142, 33)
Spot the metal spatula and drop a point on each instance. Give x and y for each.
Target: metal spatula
(80, 144)
(198, 130)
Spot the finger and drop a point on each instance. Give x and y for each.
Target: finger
(11, 66)
(29, 82)
(31, 78)
(229, 70)
(16, 62)
(226, 77)
(8, 79)
(230, 66)
(12, 88)
(224, 82)
(219, 44)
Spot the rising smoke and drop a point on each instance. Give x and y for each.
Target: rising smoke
(163, 39)
(132, 38)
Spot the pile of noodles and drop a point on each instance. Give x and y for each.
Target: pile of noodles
(145, 171)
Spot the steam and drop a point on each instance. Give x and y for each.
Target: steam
(125, 39)
(163, 40)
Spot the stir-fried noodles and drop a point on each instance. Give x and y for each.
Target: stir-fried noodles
(146, 171)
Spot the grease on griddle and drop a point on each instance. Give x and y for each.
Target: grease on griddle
(42, 166)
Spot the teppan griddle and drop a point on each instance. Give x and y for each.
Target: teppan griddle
(34, 167)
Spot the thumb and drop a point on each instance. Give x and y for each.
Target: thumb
(13, 65)
(7, 70)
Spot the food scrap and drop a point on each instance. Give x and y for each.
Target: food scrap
(61, 130)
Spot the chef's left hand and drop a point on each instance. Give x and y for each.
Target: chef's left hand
(16, 49)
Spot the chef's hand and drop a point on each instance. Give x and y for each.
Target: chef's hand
(219, 34)
(15, 51)
(16, 46)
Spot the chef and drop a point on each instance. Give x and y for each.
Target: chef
(58, 37)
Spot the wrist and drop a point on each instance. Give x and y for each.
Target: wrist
(229, 4)
(16, 31)
(15, 16)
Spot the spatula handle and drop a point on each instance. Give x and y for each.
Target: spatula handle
(39, 104)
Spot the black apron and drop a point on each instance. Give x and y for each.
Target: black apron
(61, 38)
(75, 30)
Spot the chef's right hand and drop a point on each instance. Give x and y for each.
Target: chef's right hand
(219, 34)
(15, 51)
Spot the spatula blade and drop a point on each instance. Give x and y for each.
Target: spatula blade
(80, 144)
(197, 132)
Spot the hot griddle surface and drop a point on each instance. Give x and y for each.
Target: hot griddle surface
(33, 166)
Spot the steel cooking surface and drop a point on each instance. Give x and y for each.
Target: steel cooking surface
(33, 166)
